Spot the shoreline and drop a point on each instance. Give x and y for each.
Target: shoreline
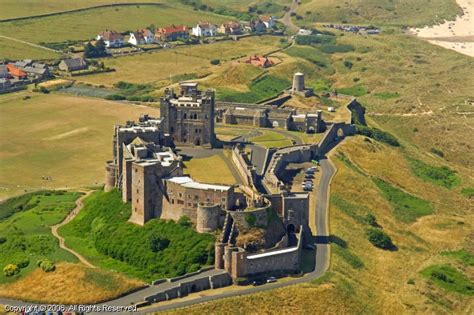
(457, 35)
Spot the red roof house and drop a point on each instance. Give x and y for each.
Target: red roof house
(263, 62)
(16, 72)
(171, 33)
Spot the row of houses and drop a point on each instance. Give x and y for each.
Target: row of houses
(146, 36)
(15, 74)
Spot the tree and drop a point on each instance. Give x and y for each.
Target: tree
(184, 221)
(89, 50)
(158, 243)
(371, 220)
(101, 49)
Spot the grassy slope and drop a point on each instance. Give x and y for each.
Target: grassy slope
(400, 12)
(70, 284)
(102, 223)
(65, 137)
(88, 24)
(30, 229)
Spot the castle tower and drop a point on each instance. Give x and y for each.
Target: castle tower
(208, 216)
(319, 121)
(298, 83)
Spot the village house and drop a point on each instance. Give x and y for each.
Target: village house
(4, 74)
(111, 38)
(304, 32)
(263, 62)
(269, 21)
(141, 37)
(16, 72)
(37, 71)
(72, 64)
(230, 28)
(171, 33)
(256, 25)
(204, 29)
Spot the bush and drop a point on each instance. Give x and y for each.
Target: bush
(158, 243)
(3, 239)
(250, 219)
(21, 262)
(378, 135)
(11, 270)
(379, 239)
(115, 97)
(215, 62)
(184, 221)
(348, 64)
(371, 220)
(44, 90)
(314, 39)
(46, 265)
(437, 152)
(441, 176)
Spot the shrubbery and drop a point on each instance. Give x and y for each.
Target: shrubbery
(315, 39)
(99, 50)
(10, 270)
(215, 62)
(442, 176)
(46, 265)
(21, 261)
(378, 135)
(115, 97)
(379, 239)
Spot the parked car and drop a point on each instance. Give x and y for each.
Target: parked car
(258, 282)
(271, 279)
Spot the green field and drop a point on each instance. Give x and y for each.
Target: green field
(27, 232)
(442, 176)
(449, 278)
(271, 139)
(406, 208)
(87, 24)
(401, 12)
(67, 138)
(159, 249)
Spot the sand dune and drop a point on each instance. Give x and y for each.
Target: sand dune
(457, 35)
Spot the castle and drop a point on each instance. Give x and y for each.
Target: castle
(260, 232)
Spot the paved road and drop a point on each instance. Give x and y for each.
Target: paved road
(322, 259)
(69, 217)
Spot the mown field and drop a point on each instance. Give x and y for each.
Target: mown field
(87, 24)
(64, 137)
(402, 12)
(14, 9)
(15, 50)
(200, 170)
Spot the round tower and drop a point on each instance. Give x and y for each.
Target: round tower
(110, 176)
(298, 82)
(208, 217)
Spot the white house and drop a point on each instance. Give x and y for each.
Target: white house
(269, 21)
(141, 37)
(304, 32)
(204, 29)
(111, 38)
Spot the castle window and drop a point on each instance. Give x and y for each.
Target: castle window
(196, 130)
(135, 209)
(172, 201)
(223, 199)
(189, 204)
(180, 195)
(196, 197)
(184, 116)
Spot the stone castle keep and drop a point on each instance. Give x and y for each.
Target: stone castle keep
(260, 232)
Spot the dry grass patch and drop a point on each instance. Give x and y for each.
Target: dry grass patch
(69, 284)
(65, 137)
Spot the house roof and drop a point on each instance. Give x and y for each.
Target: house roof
(265, 18)
(35, 70)
(172, 29)
(188, 182)
(110, 35)
(3, 69)
(15, 71)
(75, 62)
(260, 61)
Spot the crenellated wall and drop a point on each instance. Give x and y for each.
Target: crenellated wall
(242, 163)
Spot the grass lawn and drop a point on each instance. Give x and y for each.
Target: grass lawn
(88, 24)
(402, 12)
(16, 50)
(210, 170)
(406, 207)
(159, 249)
(67, 138)
(28, 234)
(449, 278)
(271, 139)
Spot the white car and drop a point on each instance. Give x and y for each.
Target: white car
(271, 279)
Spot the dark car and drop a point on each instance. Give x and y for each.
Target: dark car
(258, 282)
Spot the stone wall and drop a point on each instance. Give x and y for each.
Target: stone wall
(244, 166)
(258, 216)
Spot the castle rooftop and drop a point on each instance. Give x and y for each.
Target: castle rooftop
(188, 182)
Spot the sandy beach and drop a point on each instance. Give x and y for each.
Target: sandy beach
(457, 35)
